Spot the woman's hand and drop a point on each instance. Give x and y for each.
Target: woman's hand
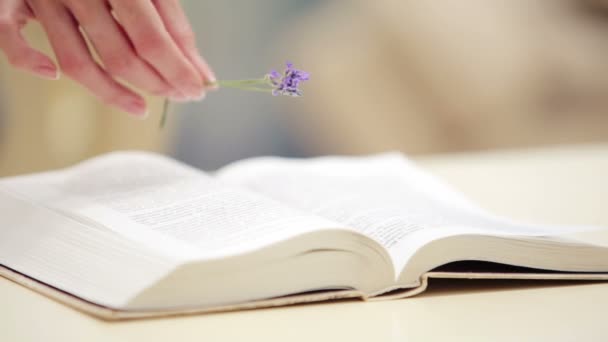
(147, 43)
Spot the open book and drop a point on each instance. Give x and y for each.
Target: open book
(133, 234)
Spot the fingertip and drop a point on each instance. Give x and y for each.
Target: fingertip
(47, 72)
(143, 116)
(210, 79)
(212, 86)
(207, 77)
(200, 97)
(178, 96)
(134, 106)
(26, 58)
(210, 76)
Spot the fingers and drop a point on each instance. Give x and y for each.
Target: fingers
(154, 44)
(21, 55)
(176, 23)
(76, 61)
(114, 49)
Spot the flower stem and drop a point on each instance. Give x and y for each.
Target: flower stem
(231, 83)
(250, 85)
(264, 90)
(163, 118)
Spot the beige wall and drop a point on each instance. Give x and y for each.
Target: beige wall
(439, 76)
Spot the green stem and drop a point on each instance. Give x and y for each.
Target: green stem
(264, 90)
(240, 82)
(163, 118)
(247, 87)
(250, 85)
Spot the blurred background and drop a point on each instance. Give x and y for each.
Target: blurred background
(422, 77)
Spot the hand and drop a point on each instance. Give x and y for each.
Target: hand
(146, 43)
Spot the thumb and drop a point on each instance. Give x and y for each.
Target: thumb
(21, 55)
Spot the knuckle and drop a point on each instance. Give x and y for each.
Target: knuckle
(120, 65)
(82, 11)
(186, 37)
(7, 28)
(181, 75)
(6, 23)
(77, 6)
(150, 46)
(16, 60)
(73, 67)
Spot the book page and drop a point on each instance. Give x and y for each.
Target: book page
(166, 204)
(385, 197)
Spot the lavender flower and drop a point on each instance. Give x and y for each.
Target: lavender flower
(274, 82)
(288, 84)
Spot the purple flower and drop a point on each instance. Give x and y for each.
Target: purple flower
(287, 84)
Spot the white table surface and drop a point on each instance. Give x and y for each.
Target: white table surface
(561, 185)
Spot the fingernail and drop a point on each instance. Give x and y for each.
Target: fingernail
(211, 85)
(211, 79)
(136, 107)
(194, 91)
(47, 72)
